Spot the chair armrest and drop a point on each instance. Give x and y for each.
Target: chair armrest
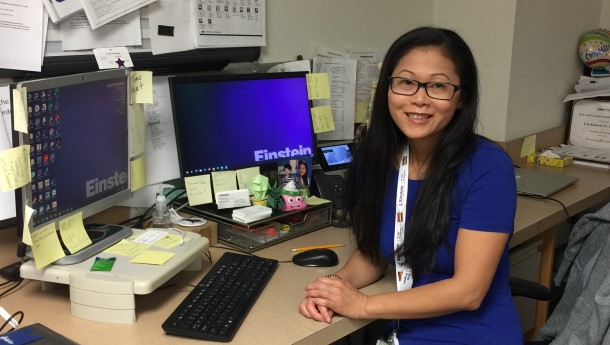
(529, 289)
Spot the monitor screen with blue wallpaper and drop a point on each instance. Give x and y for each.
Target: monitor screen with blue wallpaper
(233, 121)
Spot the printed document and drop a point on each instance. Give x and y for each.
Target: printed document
(21, 35)
(7, 199)
(342, 79)
(100, 12)
(77, 34)
(230, 24)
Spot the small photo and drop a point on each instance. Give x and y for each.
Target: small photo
(297, 170)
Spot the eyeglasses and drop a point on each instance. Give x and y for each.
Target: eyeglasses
(409, 87)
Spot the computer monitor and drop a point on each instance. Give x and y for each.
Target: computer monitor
(233, 121)
(79, 152)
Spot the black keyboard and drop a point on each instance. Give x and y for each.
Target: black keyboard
(216, 307)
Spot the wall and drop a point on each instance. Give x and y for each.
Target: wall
(525, 50)
(487, 26)
(296, 27)
(545, 63)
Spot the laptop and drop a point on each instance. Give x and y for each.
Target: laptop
(540, 183)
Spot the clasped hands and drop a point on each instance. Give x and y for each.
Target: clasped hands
(326, 296)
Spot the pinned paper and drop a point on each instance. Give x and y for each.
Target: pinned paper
(112, 57)
(317, 86)
(198, 189)
(73, 233)
(138, 174)
(46, 246)
(137, 130)
(126, 248)
(15, 168)
(141, 87)
(152, 257)
(27, 216)
(20, 106)
(245, 176)
(528, 146)
(322, 119)
(223, 181)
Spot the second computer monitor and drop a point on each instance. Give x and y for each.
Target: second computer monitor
(232, 121)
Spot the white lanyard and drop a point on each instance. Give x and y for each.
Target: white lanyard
(404, 277)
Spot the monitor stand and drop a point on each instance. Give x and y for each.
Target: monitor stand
(110, 296)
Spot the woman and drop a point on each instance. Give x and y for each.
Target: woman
(449, 243)
(302, 179)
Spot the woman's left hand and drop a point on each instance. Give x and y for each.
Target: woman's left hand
(337, 295)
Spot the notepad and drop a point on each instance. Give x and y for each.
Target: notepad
(251, 213)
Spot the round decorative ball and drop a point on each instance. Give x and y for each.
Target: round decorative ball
(594, 48)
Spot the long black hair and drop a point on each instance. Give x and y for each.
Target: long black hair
(375, 157)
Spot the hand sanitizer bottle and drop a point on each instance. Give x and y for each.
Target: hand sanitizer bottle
(160, 218)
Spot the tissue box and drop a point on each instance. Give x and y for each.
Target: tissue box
(554, 162)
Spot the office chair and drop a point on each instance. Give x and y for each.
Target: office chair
(529, 289)
(582, 314)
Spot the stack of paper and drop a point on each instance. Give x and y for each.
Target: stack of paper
(251, 213)
(584, 156)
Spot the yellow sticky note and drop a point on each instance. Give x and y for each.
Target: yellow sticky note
(317, 86)
(137, 130)
(314, 200)
(528, 146)
(27, 215)
(170, 241)
(322, 119)
(73, 233)
(127, 248)
(360, 116)
(224, 180)
(46, 246)
(141, 87)
(15, 168)
(138, 174)
(20, 114)
(152, 257)
(245, 176)
(198, 189)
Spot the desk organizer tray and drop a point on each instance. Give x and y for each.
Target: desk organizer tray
(250, 237)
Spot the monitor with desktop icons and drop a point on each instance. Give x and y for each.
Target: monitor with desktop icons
(79, 151)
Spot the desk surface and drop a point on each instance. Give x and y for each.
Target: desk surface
(274, 319)
(534, 216)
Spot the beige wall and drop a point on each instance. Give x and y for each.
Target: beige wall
(297, 27)
(525, 49)
(487, 26)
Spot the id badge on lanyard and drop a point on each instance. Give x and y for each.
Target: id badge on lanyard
(404, 277)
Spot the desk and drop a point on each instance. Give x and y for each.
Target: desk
(274, 319)
(536, 219)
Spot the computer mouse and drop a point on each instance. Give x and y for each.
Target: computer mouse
(323, 257)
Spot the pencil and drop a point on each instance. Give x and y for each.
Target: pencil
(302, 249)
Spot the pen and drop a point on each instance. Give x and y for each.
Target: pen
(302, 249)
